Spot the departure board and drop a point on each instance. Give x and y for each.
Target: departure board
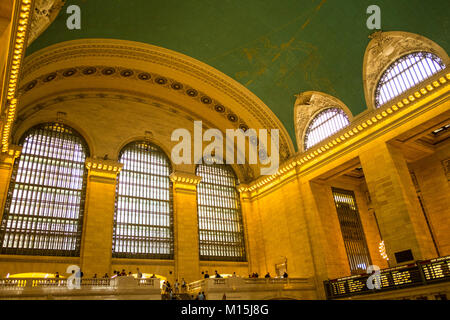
(436, 269)
(419, 273)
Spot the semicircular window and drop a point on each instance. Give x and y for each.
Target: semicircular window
(325, 124)
(220, 225)
(143, 219)
(405, 73)
(45, 202)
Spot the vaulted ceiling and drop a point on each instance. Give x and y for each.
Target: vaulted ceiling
(274, 48)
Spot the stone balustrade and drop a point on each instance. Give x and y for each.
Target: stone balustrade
(254, 289)
(98, 288)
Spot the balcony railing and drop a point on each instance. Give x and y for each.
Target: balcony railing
(251, 288)
(61, 286)
(412, 275)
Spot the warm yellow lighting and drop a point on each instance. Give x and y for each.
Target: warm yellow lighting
(382, 250)
(34, 275)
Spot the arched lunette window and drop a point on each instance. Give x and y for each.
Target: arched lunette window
(143, 219)
(405, 73)
(326, 123)
(45, 203)
(221, 230)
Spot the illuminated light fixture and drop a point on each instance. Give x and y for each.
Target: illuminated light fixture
(382, 250)
(20, 34)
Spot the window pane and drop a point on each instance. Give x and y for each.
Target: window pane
(143, 220)
(405, 73)
(44, 209)
(221, 232)
(352, 230)
(324, 125)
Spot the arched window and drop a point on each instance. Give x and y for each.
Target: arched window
(405, 73)
(326, 123)
(221, 231)
(45, 203)
(143, 219)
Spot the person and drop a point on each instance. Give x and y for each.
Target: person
(217, 274)
(234, 275)
(201, 296)
(57, 274)
(123, 273)
(106, 275)
(206, 274)
(175, 286)
(267, 275)
(139, 273)
(183, 285)
(256, 275)
(224, 297)
(95, 276)
(153, 276)
(130, 274)
(285, 275)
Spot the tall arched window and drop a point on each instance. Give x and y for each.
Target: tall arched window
(143, 219)
(221, 231)
(326, 123)
(45, 203)
(405, 73)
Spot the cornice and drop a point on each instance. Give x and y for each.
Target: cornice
(18, 39)
(353, 132)
(103, 168)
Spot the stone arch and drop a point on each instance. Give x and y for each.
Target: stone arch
(307, 106)
(384, 49)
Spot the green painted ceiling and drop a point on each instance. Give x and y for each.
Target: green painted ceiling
(276, 48)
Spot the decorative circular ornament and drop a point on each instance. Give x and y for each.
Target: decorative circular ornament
(108, 71)
(69, 72)
(144, 76)
(192, 92)
(127, 73)
(161, 80)
(89, 71)
(219, 108)
(206, 100)
(50, 77)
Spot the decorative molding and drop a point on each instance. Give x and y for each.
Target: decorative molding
(186, 178)
(130, 51)
(377, 116)
(384, 49)
(44, 13)
(136, 75)
(307, 106)
(18, 39)
(102, 167)
(8, 157)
